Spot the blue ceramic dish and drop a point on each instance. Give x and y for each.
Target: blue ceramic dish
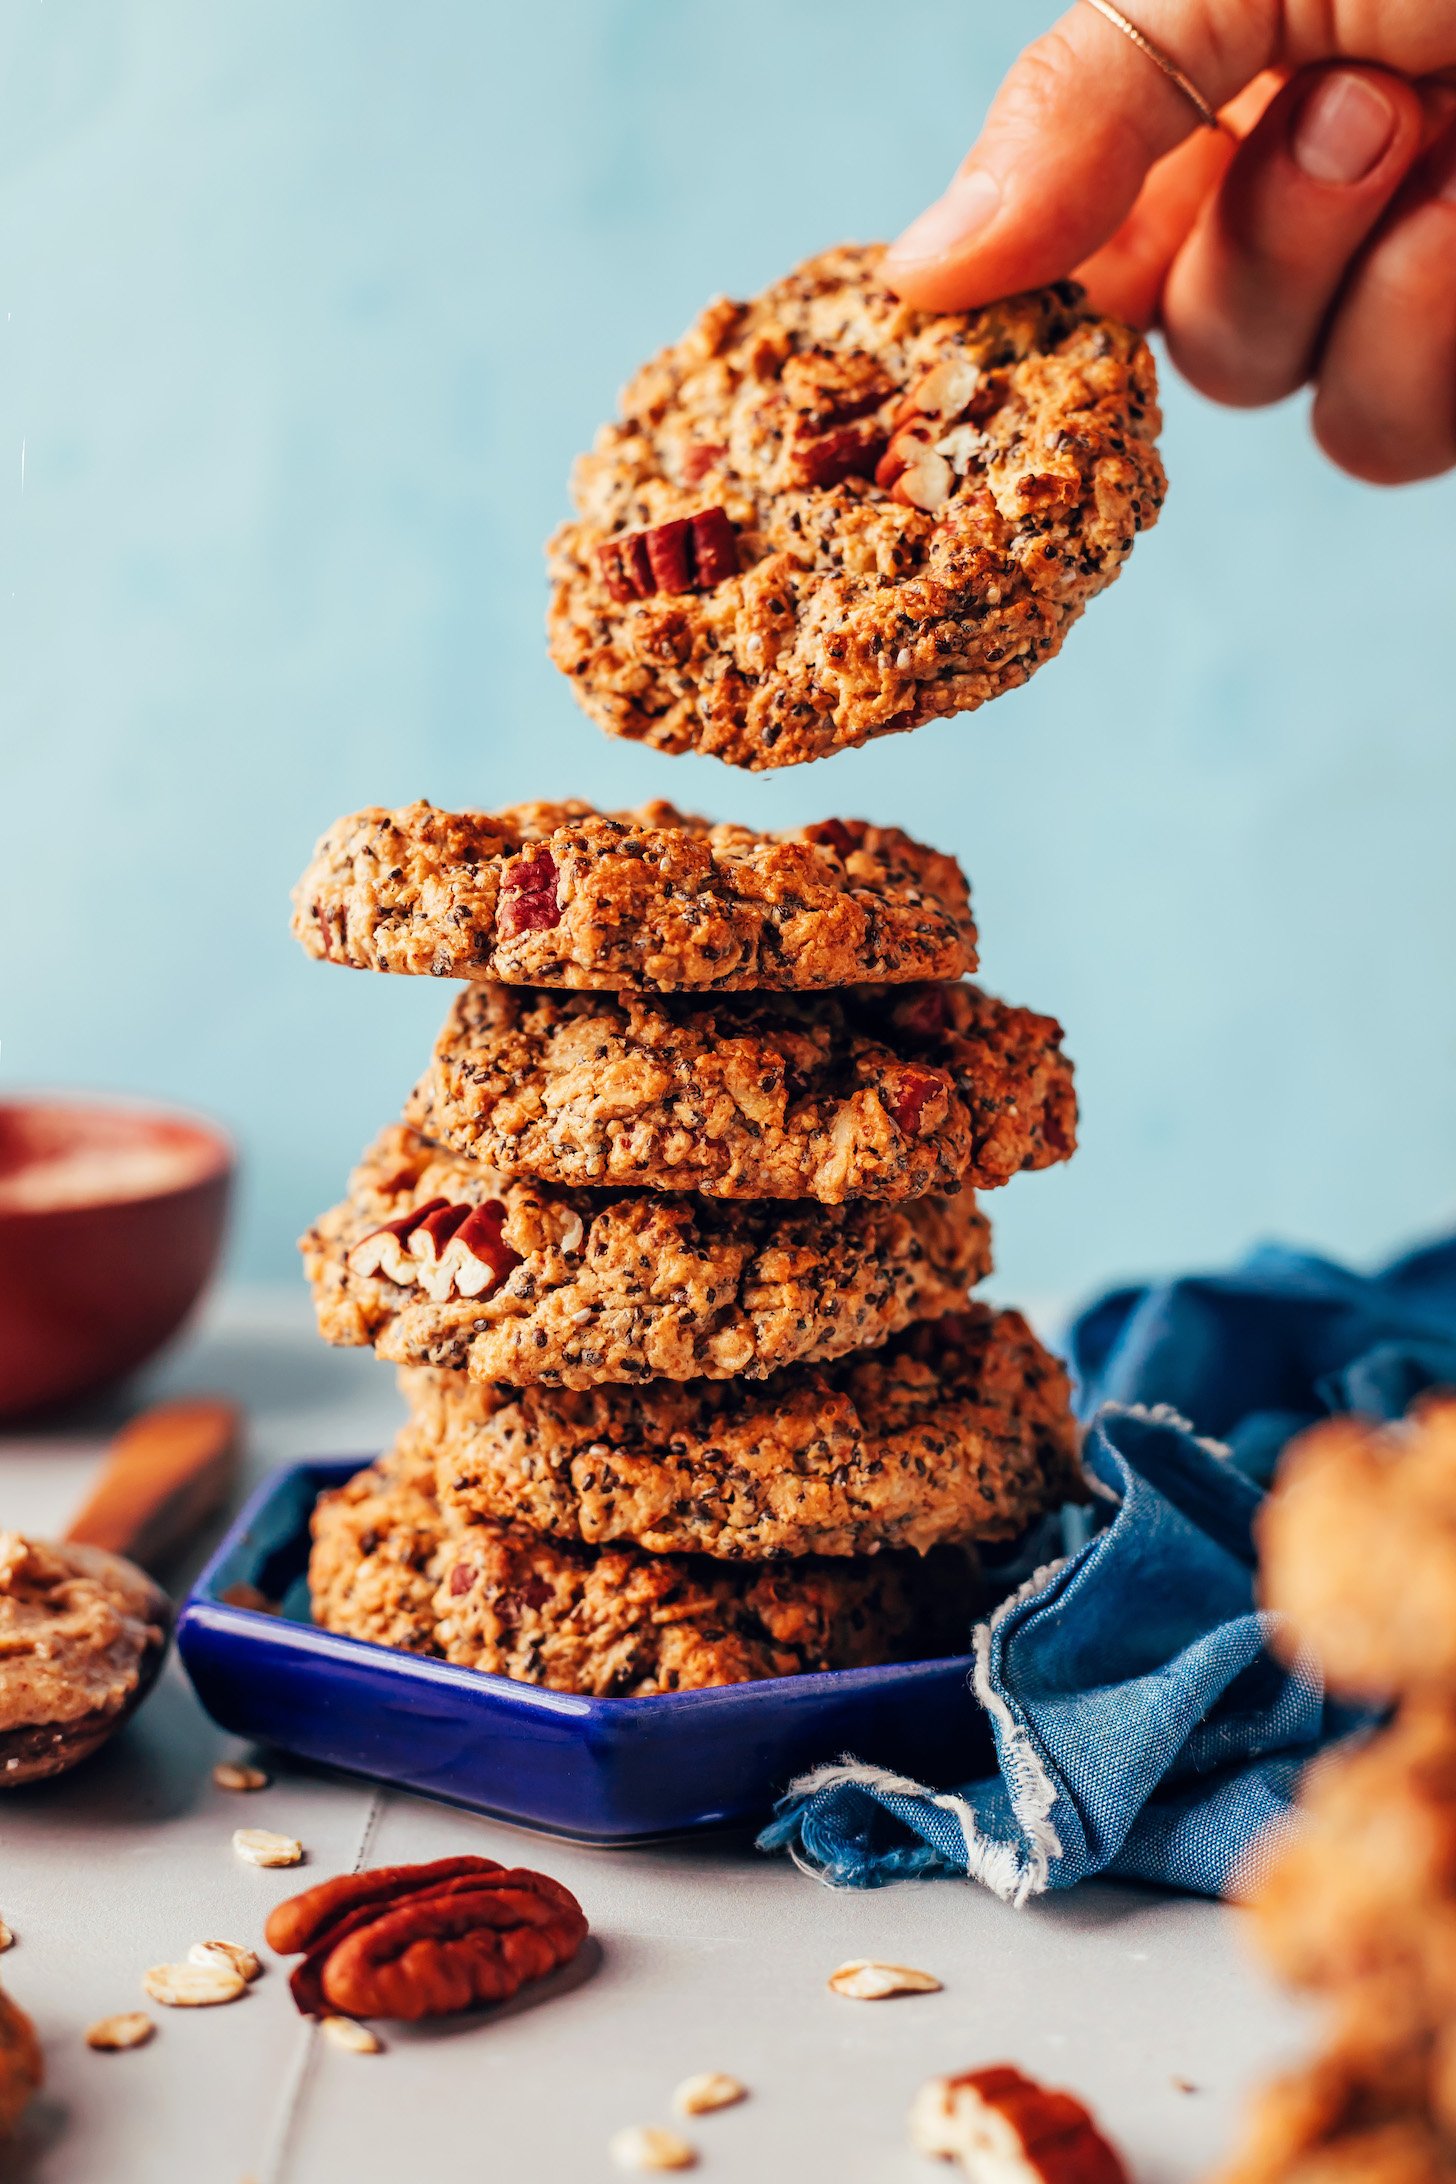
(602, 1770)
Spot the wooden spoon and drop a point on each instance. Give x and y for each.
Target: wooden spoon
(164, 1475)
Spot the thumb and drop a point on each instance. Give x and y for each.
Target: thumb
(1067, 145)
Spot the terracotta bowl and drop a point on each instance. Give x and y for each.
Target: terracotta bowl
(111, 1219)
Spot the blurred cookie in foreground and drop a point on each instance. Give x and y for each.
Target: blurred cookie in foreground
(1357, 1905)
(435, 1259)
(615, 1622)
(825, 516)
(646, 901)
(871, 1092)
(1357, 1548)
(957, 1429)
(82, 1637)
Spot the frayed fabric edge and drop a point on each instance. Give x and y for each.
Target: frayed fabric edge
(1031, 1789)
(1013, 1875)
(1163, 1414)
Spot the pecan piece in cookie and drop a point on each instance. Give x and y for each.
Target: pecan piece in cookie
(616, 1623)
(616, 1285)
(424, 1941)
(957, 1429)
(923, 505)
(641, 902)
(874, 1092)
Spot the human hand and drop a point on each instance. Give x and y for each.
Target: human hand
(1311, 237)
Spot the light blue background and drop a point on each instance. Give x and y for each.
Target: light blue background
(304, 309)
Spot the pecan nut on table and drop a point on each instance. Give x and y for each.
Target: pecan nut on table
(413, 1941)
(21, 2069)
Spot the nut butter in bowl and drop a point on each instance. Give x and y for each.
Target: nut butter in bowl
(111, 1219)
(83, 1634)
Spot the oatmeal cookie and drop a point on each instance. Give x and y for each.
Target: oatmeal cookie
(957, 1429)
(376, 1561)
(616, 1623)
(872, 1092)
(645, 901)
(435, 1259)
(826, 516)
(1363, 1899)
(1357, 1548)
(1351, 2119)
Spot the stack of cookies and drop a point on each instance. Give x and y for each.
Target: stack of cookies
(1358, 1546)
(675, 1245)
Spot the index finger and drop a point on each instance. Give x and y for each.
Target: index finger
(1068, 143)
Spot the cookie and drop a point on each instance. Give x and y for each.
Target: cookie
(1358, 1549)
(873, 1092)
(376, 1561)
(1363, 1897)
(1351, 2118)
(437, 1260)
(956, 1429)
(643, 902)
(616, 1623)
(825, 516)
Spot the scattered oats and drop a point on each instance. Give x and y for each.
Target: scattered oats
(580, 1318)
(260, 1846)
(193, 1986)
(710, 2089)
(7, 1939)
(345, 2032)
(133, 2028)
(231, 1774)
(648, 2146)
(229, 1954)
(863, 1980)
(904, 657)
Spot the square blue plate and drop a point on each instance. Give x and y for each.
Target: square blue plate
(602, 1770)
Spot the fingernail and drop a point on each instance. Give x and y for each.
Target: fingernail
(972, 200)
(1343, 129)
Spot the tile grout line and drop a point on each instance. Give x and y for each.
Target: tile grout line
(300, 2077)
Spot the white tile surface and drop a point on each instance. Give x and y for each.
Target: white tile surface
(706, 1956)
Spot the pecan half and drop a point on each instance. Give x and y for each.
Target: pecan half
(1004, 2128)
(383, 1250)
(692, 553)
(832, 834)
(21, 2069)
(446, 1249)
(907, 1094)
(528, 896)
(423, 1941)
(914, 472)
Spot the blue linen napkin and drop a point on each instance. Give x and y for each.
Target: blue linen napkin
(1142, 1726)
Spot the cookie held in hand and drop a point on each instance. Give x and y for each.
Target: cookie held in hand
(825, 516)
(416, 1941)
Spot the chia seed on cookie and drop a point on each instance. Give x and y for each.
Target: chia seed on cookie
(646, 901)
(616, 1623)
(435, 1259)
(825, 516)
(956, 1429)
(872, 1092)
